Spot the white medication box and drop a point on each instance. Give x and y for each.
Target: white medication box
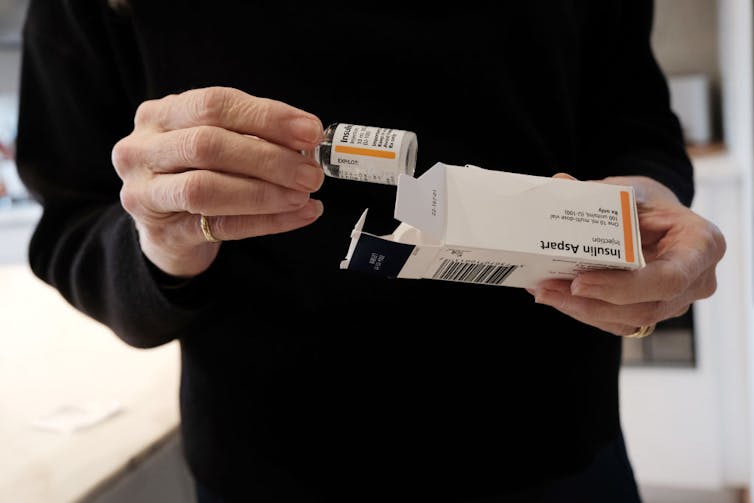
(474, 225)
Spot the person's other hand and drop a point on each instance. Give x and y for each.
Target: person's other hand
(222, 153)
(681, 249)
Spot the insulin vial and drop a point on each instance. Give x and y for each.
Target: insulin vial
(367, 154)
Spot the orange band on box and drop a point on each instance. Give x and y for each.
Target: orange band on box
(628, 226)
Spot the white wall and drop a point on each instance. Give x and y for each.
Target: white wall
(691, 427)
(687, 427)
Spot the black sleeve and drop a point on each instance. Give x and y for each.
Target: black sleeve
(631, 129)
(76, 102)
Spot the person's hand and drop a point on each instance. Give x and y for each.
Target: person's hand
(222, 153)
(681, 249)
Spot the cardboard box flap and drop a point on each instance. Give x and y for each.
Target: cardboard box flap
(387, 255)
(422, 203)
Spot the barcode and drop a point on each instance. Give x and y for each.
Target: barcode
(488, 273)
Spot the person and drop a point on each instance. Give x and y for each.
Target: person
(303, 382)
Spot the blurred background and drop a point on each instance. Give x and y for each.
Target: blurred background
(13, 194)
(687, 393)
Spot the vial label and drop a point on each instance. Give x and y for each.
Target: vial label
(368, 154)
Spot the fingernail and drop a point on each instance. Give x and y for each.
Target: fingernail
(314, 209)
(577, 289)
(309, 177)
(584, 290)
(548, 297)
(297, 198)
(306, 129)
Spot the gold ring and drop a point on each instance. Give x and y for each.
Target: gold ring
(204, 224)
(642, 331)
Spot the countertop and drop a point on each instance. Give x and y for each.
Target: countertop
(50, 356)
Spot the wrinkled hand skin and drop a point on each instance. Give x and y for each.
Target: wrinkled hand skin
(222, 153)
(681, 249)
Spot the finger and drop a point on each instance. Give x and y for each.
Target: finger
(663, 279)
(235, 110)
(209, 193)
(232, 227)
(210, 147)
(551, 299)
(565, 176)
(690, 249)
(598, 312)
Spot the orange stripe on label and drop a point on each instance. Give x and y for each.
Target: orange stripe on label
(628, 222)
(345, 149)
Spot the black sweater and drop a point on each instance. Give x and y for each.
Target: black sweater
(302, 381)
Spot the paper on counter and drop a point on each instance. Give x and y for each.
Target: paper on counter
(72, 417)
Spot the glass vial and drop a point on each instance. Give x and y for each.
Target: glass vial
(367, 154)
